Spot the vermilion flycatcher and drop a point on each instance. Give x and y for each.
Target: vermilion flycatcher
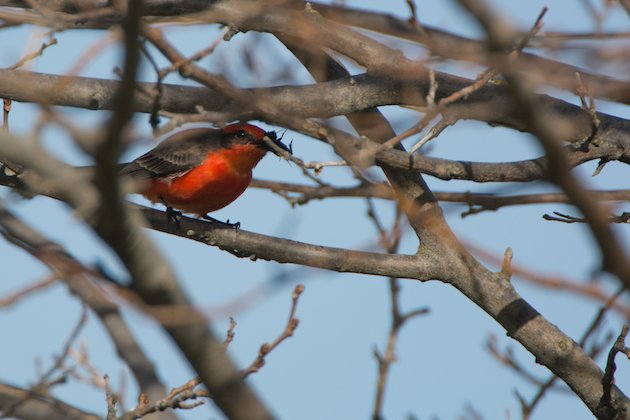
(201, 170)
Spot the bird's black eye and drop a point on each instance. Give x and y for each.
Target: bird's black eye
(240, 134)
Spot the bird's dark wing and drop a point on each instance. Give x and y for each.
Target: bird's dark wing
(176, 155)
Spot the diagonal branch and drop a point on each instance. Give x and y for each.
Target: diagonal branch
(79, 282)
(613, 256)
(614, 259)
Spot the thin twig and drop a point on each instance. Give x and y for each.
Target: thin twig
(266, 348)
(391, 242)
(110, 398)
(413, 18)
(6, 108)
(154, 119)
(59, 362)
(229, 337)
(176, 399)
(177, 66)
(46, 380)
(507, 358)
(10, 299)
(590, 290)
(566, 218)
(435, 131)
(608, 379)
(481, 81)
(316, 166)
(34, 54)
(93, 376)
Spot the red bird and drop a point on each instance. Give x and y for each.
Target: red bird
(201, 170)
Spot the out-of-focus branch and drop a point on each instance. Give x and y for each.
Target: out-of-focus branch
(37, 406)
(585, 289)
(79, 282)
(449, 45)
(13, 297)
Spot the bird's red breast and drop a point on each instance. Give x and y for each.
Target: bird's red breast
(201, 170)
(220, 179)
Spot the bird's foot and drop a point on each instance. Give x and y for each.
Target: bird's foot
(235, 226)
(173, 216)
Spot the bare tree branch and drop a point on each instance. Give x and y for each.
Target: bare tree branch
(342, 96)
(289, 329)
(606, 404)
(78, 279)
(39, 407)
(452, 46)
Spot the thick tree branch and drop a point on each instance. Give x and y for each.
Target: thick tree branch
(438, 41)
(244, 244)
(449, 45)
(345, 96)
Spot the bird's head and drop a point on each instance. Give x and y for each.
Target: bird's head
(250, 134)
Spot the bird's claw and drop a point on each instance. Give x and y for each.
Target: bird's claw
(173, 216)
(236, 226)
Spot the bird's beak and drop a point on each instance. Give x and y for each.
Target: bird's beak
(271, 135)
